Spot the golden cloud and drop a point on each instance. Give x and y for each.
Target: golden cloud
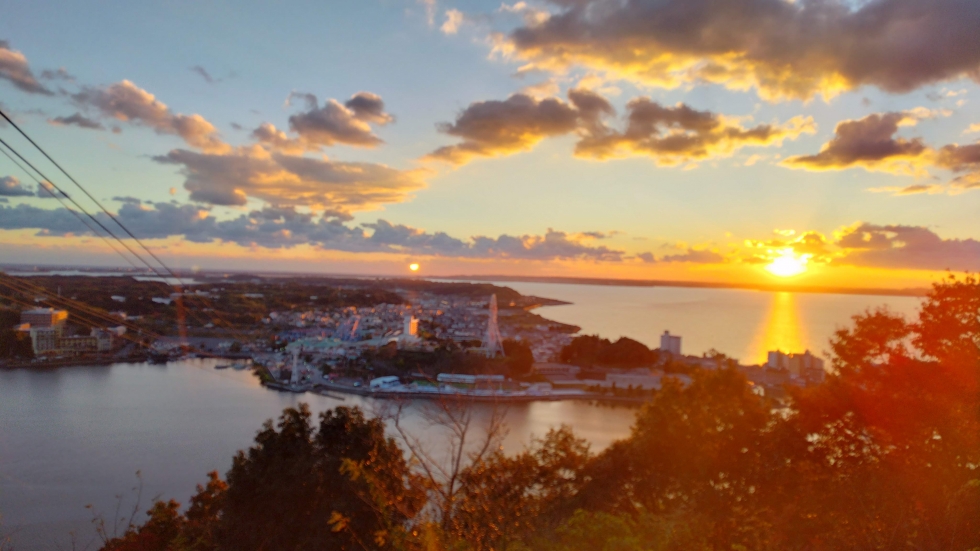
(781, 48)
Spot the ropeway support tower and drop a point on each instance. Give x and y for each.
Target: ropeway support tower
(492, 343)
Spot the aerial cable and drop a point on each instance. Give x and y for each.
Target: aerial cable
(80, 207)
(180, 283)
(89, 195)
(60, 196)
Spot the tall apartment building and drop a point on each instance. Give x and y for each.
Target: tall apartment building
(44, 317)
(670, 343)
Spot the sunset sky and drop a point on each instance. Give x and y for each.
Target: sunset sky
(662, 139)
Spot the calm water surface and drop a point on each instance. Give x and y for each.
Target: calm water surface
(76, 436)
(741, 323)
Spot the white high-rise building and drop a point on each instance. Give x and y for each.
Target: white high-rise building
(670, 343)
(411, 328)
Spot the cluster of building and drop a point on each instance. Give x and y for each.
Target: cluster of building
(347, 332)
(781, 368)
(46, 327)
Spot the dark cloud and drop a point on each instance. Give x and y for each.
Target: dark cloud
(47, 191)
(786, 49)
(58, 74)
(273, 138)
(694, 256)
(126, 199)
(495, 128)
(231, 178)
(15, 69)
(10, 186)
(964, 160)
(368, 107)
(124, 101)
(203, 73)
(283, 227)
(336, 123)
(912, 247)
(679, 134)
(697, 257)
(670, 135)
(553, 245)
(869, 142)
(47, 221)
(77, 120)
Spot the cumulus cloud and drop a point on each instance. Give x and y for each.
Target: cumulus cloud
(124, 101)
(871, 143)
(963, 160)
(78, 120)
(912, 247)
(494, 128)
(871, 245)
(52, 222)
(10, 186)
(674, 135)
(284, 227)
(348, 123)
(15, 69)
(670, 135)
(687, 254)
(784, 49)
(268, 135)
(231, 178)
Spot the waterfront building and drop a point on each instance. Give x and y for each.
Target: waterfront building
(799, 366)
(384, 382)
(45, 340)
(549, 369)
(44, 317)
(460, 378)
(670, 343)
(637, 379)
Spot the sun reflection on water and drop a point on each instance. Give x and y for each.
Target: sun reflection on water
(781, 329)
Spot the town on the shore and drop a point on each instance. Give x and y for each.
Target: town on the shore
(384, 338)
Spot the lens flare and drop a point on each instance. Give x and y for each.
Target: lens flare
(788, 264)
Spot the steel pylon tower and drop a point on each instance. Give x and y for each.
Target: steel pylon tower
(492, 343)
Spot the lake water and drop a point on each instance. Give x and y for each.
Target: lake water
(76, 436)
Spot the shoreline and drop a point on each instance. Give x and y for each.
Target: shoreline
(491, 398)
(771, 288)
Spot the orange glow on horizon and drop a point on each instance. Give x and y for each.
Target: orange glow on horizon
(788, 264)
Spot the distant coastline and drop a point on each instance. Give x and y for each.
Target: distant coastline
(907, 292)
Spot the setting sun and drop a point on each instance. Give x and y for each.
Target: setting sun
(414, 267)
(788, 264)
